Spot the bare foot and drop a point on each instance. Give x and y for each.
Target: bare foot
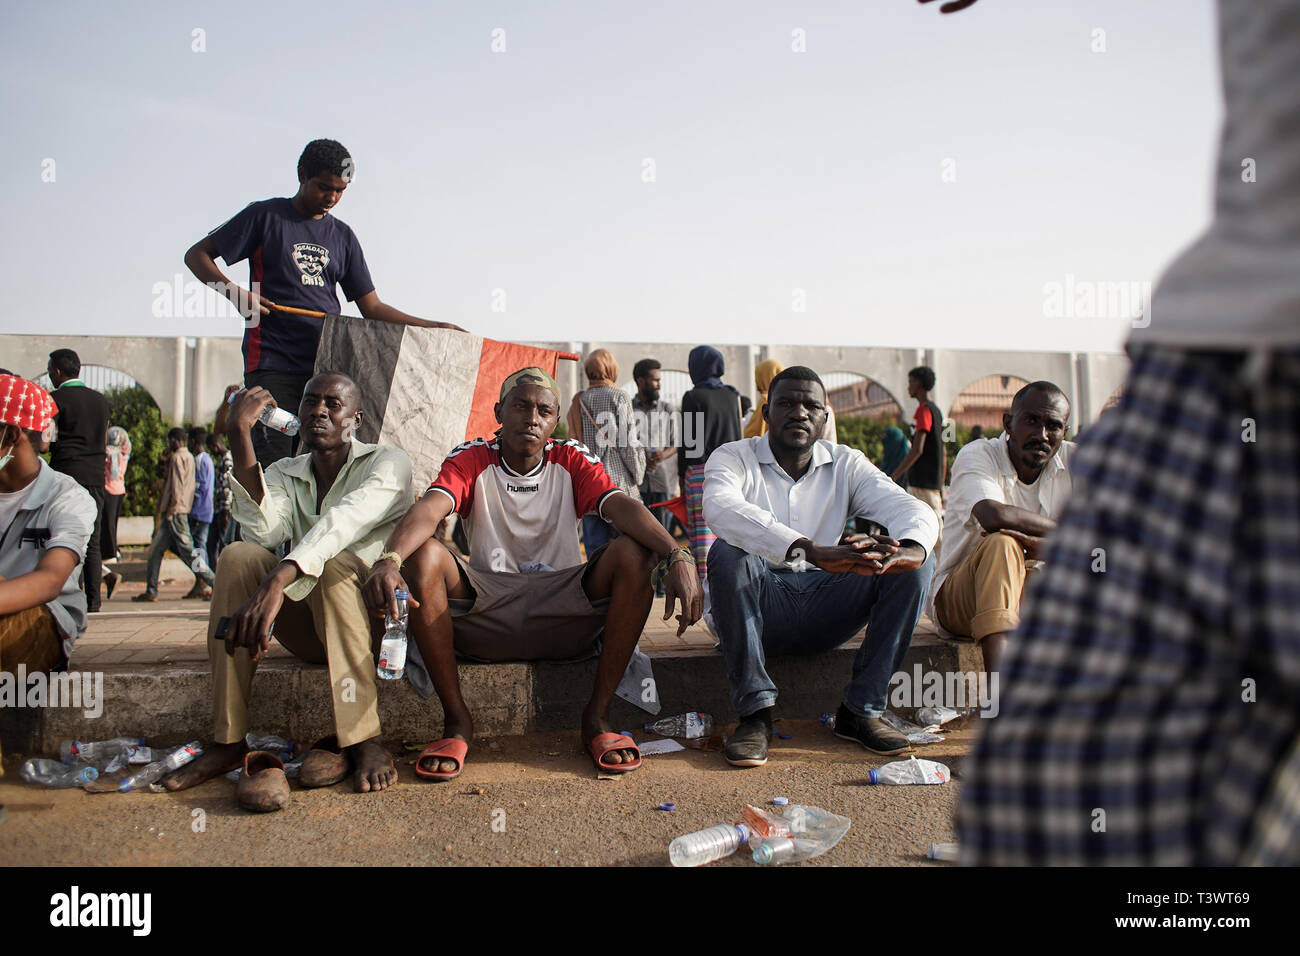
(592, 727)
(215, 760)
(374, 766)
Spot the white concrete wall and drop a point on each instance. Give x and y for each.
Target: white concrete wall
(190, 380)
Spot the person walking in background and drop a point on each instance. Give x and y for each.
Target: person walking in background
(200, 519)
(78, 450)
(601, 418)
(223, 463)
(117, 454)
(710, 418)
(173, 531)
(927, 463)
(659, 426)
(895, 449)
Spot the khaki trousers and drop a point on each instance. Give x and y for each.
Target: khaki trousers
(334, 609)
(934, 498)
(30, 638)
(982, 594)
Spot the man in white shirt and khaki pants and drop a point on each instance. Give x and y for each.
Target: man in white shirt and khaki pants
(1006, 496)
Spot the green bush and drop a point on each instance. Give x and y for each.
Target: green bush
(867, 435)
(134, 410)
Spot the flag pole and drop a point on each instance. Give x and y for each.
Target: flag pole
(312, 313)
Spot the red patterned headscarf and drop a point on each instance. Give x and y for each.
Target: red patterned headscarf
(25, 404)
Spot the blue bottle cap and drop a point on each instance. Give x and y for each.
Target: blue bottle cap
(873, 776)
(401, 595)
(780, 801)
(667, 806)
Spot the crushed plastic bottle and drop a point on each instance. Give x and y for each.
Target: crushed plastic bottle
(914, 733)
(909, 771)
(55, 774)
(100, 753)
(705, 846)
(691, 725)
(155, 771)
(269, 742)
(935, 716)
(392, 652)
(810, 832)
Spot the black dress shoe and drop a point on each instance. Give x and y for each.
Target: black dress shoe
(747, 747)
(872, 732)
(110, 582)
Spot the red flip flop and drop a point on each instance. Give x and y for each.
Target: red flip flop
(602, 744)
(449, 748)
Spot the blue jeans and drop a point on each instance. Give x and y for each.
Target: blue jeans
(173, 534)
(596, 533)
(757, 611)
(199, 535)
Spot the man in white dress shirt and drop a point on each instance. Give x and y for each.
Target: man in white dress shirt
(784, 582)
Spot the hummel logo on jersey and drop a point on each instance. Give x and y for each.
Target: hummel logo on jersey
(513, 487)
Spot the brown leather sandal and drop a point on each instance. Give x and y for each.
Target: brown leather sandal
(263, 786)
(325, 764)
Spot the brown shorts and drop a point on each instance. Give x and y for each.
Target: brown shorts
(527, 617)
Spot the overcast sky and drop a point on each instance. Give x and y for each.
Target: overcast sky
(765, 172)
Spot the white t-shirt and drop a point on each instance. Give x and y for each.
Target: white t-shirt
(1238, 285)
(517, 522)
(983, 469)
(10, 504)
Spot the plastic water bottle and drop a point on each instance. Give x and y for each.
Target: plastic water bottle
(269, 742)
(807, 832)
(100, 753)
(156, 770)
(910, 771)
(392, 652)
(690, 726)
(943, 851)
(56, 775)
(275, 418)
(705, 846)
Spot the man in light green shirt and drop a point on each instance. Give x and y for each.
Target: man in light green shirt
(335, 507)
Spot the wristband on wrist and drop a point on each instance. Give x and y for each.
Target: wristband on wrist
(391, 556)
(675, 556)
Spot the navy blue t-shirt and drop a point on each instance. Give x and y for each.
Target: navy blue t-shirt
(298, 261)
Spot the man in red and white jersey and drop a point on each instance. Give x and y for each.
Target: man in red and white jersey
(525, 593)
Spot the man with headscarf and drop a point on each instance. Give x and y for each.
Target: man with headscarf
(46, 521)
(601, 418)
(710, 419)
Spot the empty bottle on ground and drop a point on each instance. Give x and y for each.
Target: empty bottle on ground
(690, 726)
(56, 775)
(156, 770)
(910, 771)
(392, 652)
(705, 846)
(100, 753)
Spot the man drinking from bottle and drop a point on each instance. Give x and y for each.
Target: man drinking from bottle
(334, 506)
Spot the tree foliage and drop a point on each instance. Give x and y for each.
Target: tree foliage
(134, 410)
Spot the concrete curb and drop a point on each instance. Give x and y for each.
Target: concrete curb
(171, 703)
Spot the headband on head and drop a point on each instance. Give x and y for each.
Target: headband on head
(529, 376)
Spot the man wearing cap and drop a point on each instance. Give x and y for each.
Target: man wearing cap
(46, 520)
(334, 506)
(525, 593)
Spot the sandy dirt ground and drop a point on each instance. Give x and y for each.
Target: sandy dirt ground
(534, 800)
